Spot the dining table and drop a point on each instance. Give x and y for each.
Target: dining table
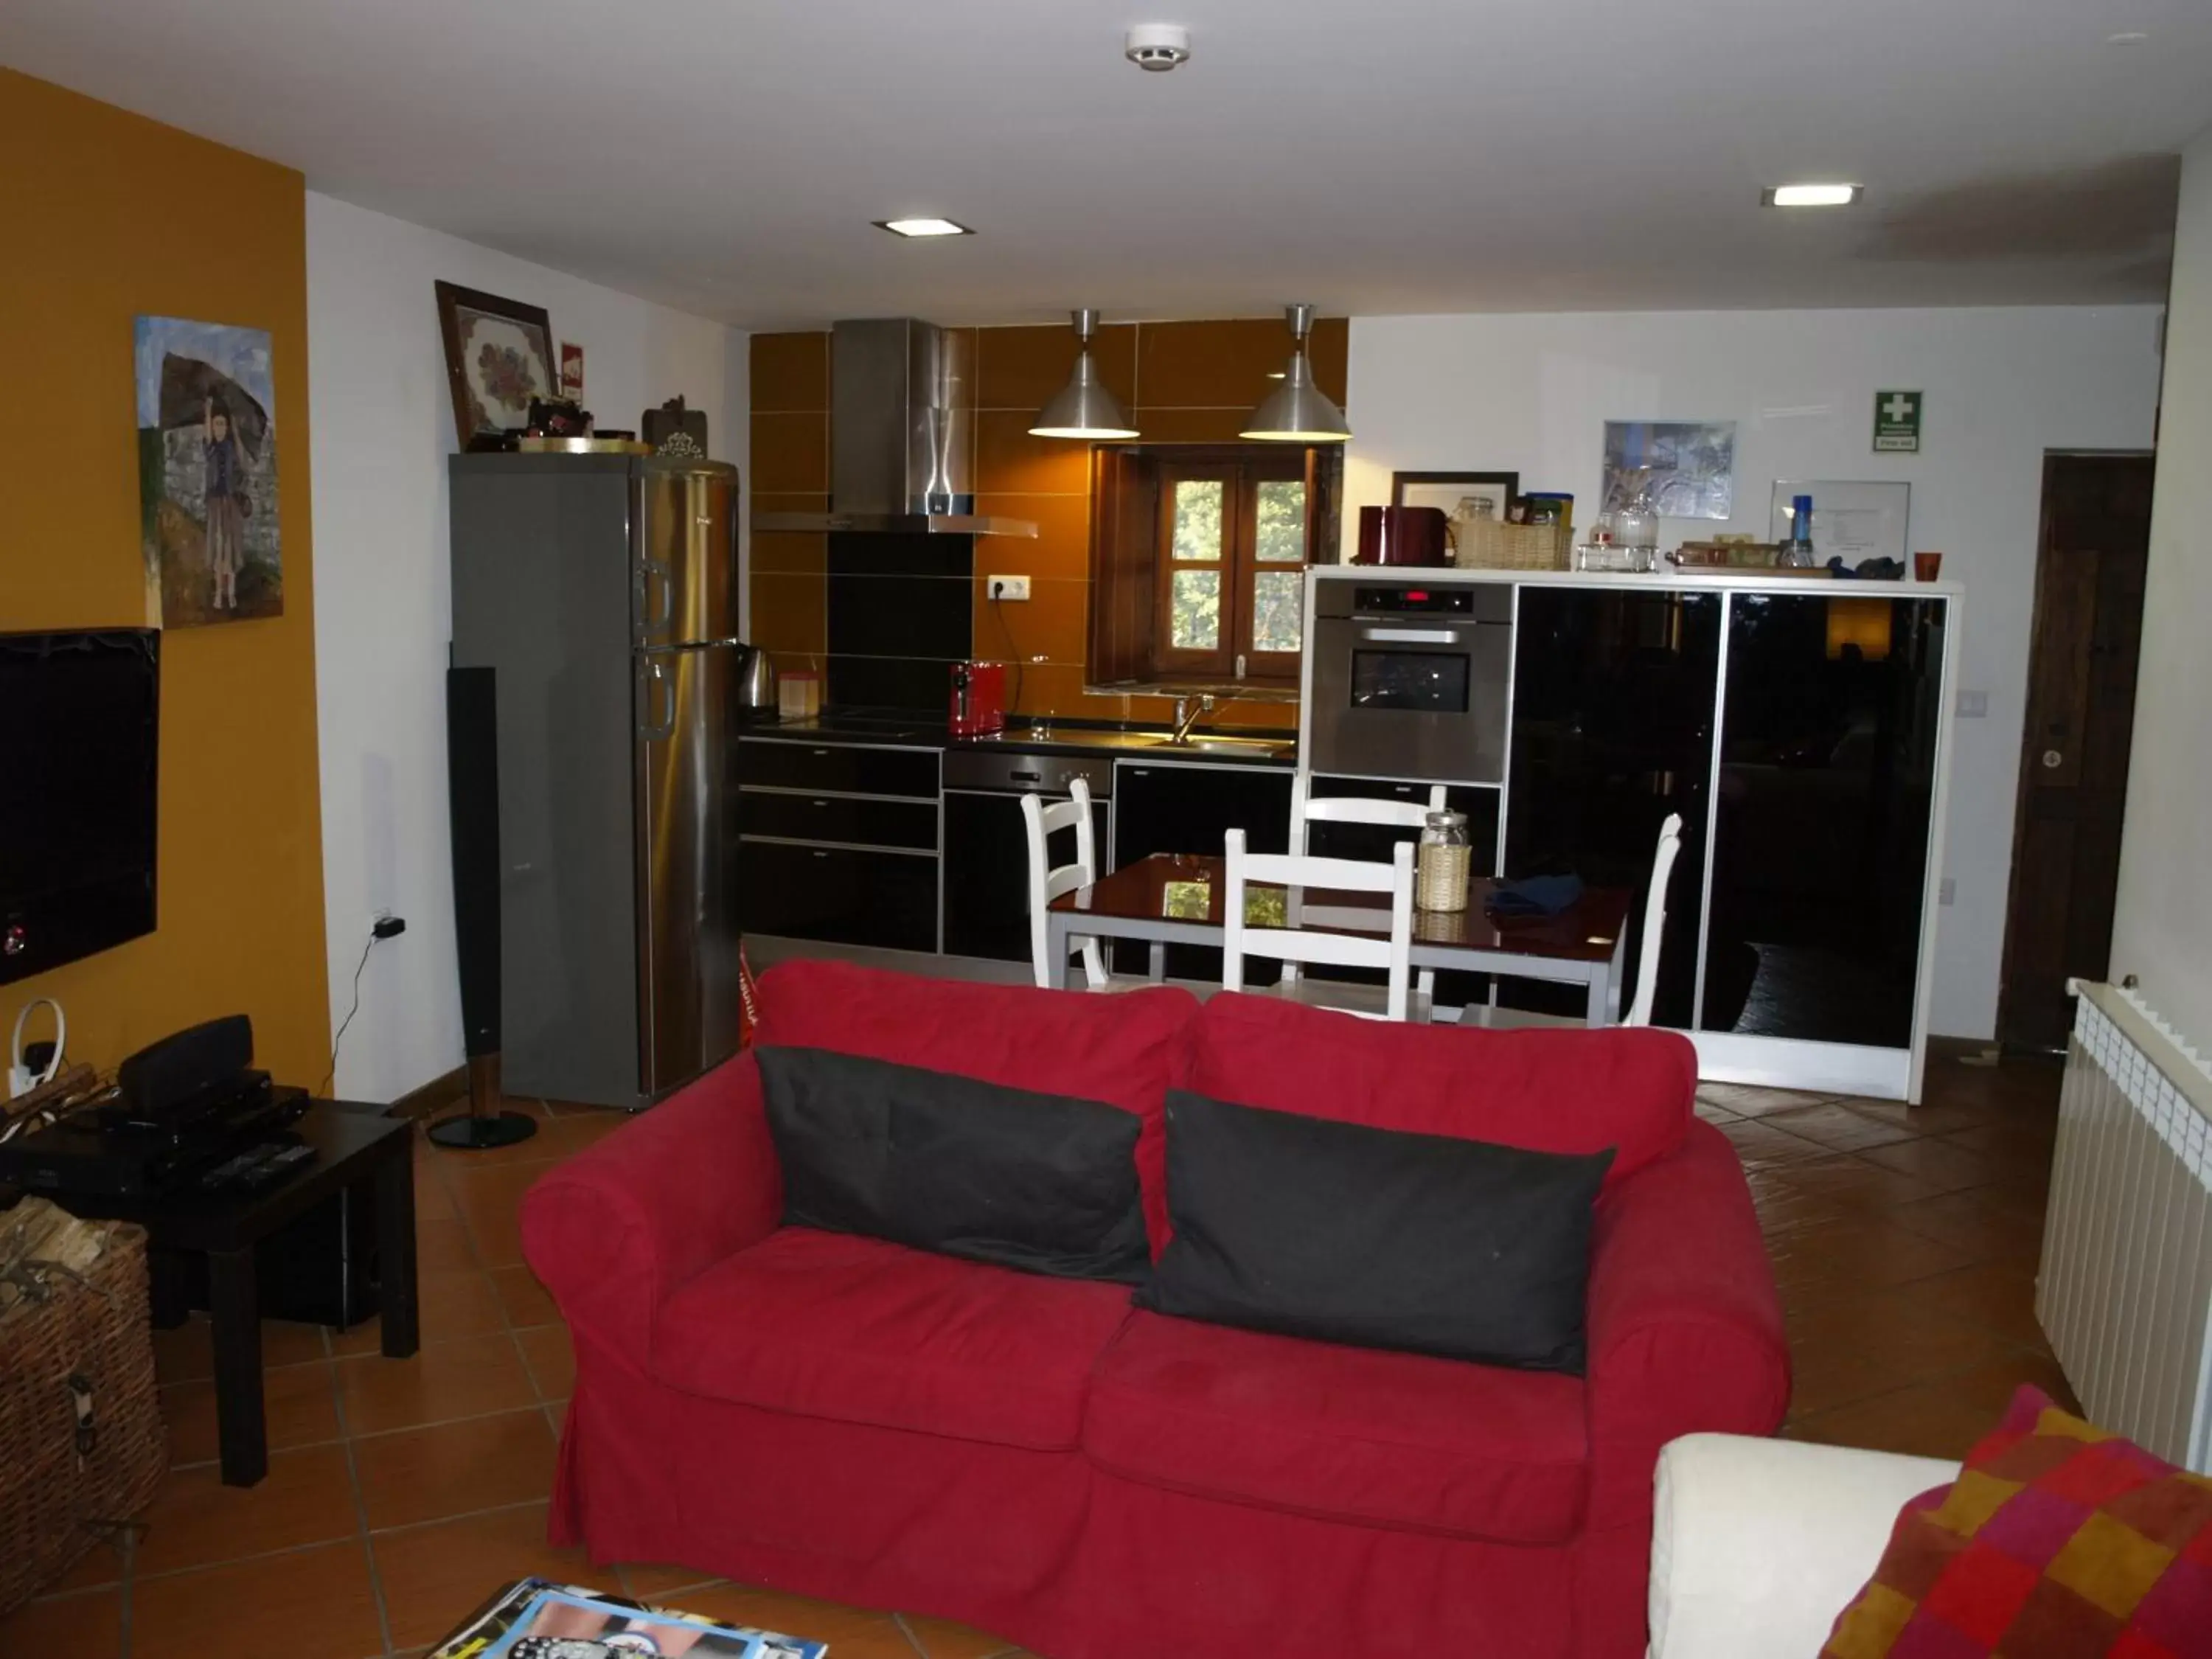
(1175, 898)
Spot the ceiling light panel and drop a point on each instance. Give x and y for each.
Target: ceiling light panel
(922, 227)
(1811, 196)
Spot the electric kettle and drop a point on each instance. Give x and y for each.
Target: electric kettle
(755, 681)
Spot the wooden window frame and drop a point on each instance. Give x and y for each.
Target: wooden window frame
(1133, 561)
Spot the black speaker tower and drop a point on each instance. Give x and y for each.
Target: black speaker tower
(472, 783)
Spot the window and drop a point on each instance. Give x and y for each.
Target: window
(1198, 560)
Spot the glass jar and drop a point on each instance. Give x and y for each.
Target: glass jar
(1440, 869)
(1636, 525)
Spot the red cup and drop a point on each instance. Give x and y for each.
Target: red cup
(1927, 567)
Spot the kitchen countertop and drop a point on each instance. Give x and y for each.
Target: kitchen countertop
(1666, 577)
(920, 729)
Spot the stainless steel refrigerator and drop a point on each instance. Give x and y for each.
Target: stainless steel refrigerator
(595, 607)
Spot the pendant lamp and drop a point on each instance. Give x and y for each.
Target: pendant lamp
(1084, 407)
(1297, 411)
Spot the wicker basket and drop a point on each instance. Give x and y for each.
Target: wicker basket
(1487, 545)
(89, 1341)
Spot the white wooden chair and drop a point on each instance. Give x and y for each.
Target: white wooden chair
(1654, 920)
(1306, 808)
(1047, 883)
(1298, 872)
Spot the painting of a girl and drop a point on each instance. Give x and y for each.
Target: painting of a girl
(207, 472)
(226, 506)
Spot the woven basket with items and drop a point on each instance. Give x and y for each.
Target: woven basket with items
(1490, 545)
(81, 1439)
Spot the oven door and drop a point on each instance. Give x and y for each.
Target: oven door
(1418, 697)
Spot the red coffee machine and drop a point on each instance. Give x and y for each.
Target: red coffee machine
(1403, 535)
(979, 698)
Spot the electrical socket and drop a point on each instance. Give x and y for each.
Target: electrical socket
(1973, 705)
(1946, 890)
(1007, 587)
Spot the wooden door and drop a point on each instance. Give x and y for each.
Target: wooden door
(2074, 749)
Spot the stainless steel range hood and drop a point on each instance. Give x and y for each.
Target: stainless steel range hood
(902, 419)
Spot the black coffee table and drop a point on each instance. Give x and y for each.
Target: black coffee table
(352, 1146)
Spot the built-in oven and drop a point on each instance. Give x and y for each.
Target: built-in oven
(1410, 680)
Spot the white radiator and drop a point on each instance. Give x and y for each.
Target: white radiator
(2125, 1293)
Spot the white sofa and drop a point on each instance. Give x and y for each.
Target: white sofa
(1757, 1545)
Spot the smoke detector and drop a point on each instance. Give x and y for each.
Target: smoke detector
(1158, 47)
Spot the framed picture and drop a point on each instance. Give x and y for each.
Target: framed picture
(1852, 521)
(1459, 495)
(1687, 466)
(499, 355)
(207, 471)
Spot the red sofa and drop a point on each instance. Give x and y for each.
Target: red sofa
(848, 1419)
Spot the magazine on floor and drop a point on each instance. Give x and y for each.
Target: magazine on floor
(536, 1619)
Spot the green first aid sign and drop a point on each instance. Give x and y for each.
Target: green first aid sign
(1897, 422)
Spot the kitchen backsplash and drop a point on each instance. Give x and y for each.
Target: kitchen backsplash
(876, 612)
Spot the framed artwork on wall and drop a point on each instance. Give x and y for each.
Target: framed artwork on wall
(499, 355)
(1457, 494)
(207, 471)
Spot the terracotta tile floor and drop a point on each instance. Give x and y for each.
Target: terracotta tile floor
(400, 1492)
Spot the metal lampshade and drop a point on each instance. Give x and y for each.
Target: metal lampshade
(1084, 408)
(1297, 411)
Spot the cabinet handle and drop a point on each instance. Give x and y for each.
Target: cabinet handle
(821, 752)
(821, 855)
(821, 803)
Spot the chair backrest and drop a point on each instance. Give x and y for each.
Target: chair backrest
(1654, 920)
(1308, 808)
(1299, 872)
(1046, 882)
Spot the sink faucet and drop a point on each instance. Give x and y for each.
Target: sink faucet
(1188, 711)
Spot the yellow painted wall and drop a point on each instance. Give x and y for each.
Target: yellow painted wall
(105, 217)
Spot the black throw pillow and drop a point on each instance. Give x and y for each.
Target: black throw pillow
(1375, 1237)
(1042, 1182)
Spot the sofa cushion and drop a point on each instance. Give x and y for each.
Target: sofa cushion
(858, 1330)
(1549, 1090)
(1125, 1051)
(1380, 1237)
(1041, 1183)
(1347, 1434)
(2056, 1540)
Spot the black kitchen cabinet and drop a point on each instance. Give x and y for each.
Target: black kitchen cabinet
(840, 896)
(1183, 808)
(1613, 694)
(1827, 771)
(838, 842)
(986, 861)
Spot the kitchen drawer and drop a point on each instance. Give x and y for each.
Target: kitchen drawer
(838, 768)
(865, 821)
(837, 895)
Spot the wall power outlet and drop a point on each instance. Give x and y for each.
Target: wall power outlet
(1006, 587)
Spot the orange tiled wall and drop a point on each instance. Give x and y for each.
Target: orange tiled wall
(1188, 382)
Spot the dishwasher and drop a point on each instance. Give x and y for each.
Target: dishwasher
(987, 850)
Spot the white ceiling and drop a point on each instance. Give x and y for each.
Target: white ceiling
(1391, 156)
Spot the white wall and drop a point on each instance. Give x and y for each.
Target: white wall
(382, 426)
(2162, 931)
(1533, 393)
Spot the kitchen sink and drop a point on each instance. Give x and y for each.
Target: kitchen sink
(1157, 742)
(1220, 746)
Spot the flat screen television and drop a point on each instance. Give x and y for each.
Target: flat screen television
(80, 729)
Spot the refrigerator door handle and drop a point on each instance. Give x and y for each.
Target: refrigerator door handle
(642, 580)
(650, 676)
